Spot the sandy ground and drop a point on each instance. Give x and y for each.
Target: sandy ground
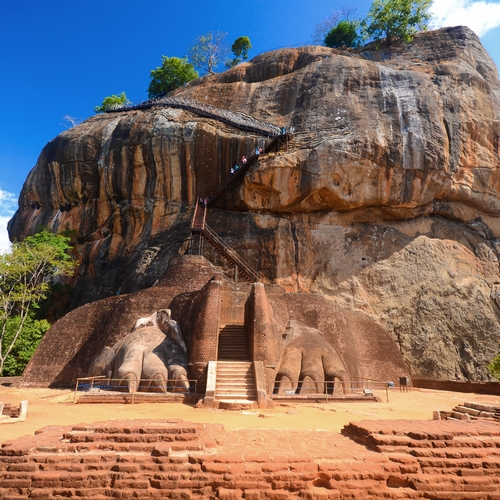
(55, 407)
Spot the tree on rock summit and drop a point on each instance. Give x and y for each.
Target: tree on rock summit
(321, 30)
(345, 34)
(240, 49)
(394, 19)
(174, 72)
(208, 51)
(111, 102)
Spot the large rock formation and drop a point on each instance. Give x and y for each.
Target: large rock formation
(386, 202)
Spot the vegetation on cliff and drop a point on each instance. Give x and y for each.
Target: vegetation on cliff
(112, 101)
(27, 273)
(173, 72)
(208, 51)
(391, 19)
(240, 49)
(345, 34)
(494, 368)
(387, 19)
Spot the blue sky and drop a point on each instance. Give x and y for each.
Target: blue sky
(62, 58)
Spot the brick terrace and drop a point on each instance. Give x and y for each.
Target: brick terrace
(181, 460)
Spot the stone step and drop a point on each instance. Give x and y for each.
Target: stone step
(465, 409)
(247, 396)
(235, 386)
(236, 366)
(482, 407)
(443, 484)
(459, 415)
(232, 351)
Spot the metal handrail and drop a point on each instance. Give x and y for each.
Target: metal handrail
(239, 120)
(242, 170)
(213, 238)
(355, 385)
(230, 253)
(120, 385)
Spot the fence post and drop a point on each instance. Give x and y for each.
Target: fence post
(76, 389)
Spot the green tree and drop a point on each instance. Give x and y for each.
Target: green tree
(397, 19)
(26, 275)
(494, 368)
(240, 49)
(208, 51)
(111, 102)
(32, 332)
(345, 34)
(346, 13)
(173, 72)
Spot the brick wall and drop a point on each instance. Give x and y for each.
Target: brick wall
(457, 385)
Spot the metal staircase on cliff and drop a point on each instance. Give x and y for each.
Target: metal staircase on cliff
(200, 226)
(232, 183)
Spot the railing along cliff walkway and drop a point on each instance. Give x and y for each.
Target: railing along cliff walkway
(239, 120)
(199, 225)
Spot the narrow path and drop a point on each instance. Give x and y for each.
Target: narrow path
(239, 120)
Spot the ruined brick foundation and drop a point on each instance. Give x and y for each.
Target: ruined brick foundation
(182, 460)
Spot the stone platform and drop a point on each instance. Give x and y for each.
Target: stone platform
(181, 460)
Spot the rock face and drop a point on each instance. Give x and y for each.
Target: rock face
(386, 201)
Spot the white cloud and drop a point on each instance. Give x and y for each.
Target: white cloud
(8, 205)
(480, 16)
(4, 237)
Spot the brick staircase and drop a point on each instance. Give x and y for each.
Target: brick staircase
(235, 381)
(233, 343)
(439, 459)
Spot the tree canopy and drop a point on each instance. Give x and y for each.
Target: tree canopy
(173, 72)
(494, 368)
(345, 34)
(111, 102)
(346, 13)
(26, 275)
(208, 51)
(240, 49)
(391, 19)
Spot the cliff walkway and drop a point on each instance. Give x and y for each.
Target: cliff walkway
(239, 120)
(199, 225)
(278, 136)
(242, 168)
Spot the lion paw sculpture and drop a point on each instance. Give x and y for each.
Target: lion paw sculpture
(309, 361)
(154, 353)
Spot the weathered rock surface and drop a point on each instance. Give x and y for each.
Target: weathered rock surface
(386, 202)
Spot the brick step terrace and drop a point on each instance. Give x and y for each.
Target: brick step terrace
(202, 461)
(443, 459)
